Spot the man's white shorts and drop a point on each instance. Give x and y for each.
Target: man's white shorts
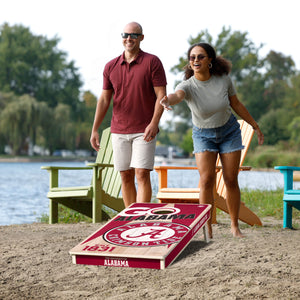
(132, 151)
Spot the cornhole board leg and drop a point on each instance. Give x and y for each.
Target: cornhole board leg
(144, 235)
(205, 233)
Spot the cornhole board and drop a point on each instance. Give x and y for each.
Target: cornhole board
(144, 235)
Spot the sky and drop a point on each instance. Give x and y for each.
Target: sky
(90, 30)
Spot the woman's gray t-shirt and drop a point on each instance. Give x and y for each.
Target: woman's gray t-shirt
(208, 100)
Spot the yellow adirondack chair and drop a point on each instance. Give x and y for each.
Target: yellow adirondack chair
(191, 195)
(88, 200)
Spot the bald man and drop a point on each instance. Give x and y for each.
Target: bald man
(136, 81)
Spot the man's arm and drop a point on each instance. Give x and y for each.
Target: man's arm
(152, 129)
(101, 110)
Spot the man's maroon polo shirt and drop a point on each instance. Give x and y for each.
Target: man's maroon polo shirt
(134, 96)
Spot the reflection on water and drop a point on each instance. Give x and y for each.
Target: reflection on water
(24, 186)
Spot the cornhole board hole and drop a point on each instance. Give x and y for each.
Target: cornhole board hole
(144, 235)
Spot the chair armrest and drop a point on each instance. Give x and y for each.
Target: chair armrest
(54, 171)
(50, 168)
(287, 168)
(245, 168)
(100, 165)
(175, 168)
(163, 173)
(287, 172)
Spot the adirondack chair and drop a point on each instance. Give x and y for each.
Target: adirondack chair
(291, 196)
(89, 200)
(191, 195)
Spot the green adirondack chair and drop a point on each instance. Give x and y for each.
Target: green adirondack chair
(89, 200)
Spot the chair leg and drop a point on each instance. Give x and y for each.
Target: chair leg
(53, 212)
(287, 215)
(97, 206)
(214, 215)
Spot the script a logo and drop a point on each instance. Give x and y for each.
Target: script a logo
(153, 234)
(146, 234)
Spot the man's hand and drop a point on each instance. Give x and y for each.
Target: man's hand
(150, 133)
(94, 140)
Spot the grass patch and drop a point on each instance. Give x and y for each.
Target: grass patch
(270, 156)
(263, 203)
(67, 215)
(266, 203)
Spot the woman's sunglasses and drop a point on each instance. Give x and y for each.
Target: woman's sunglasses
(199, 57)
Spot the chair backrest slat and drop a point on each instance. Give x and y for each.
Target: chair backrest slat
(111, 180)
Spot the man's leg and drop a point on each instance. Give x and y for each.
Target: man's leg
(128, 187)
(143, 162)
(122, 149)
(144, 185)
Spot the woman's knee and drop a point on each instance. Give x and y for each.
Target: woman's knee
(231, 183)
(207, 181)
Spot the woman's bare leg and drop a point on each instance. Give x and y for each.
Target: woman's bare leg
(206, 163)
(230, 164)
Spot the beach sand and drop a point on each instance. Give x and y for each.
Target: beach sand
(35, 264)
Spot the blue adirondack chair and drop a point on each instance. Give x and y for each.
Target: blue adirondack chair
(89, 200)
(291, 196)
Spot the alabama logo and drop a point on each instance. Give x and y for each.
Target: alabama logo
(146, 234)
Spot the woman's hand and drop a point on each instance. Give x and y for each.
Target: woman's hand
(260, 136)
(165, 103)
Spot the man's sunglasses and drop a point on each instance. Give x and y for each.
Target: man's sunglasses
(132, 35)
(199, 57)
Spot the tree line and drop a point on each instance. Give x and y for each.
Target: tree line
(41, 100)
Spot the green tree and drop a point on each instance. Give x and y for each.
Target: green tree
(291, 100)
(34, 65)
(63, 130)
(251, 91)
(83, 129)
(294, 129)
(279, 69)
(187, 142)
(278, 66)
(273, 125)
(19, 121)
(240, 50)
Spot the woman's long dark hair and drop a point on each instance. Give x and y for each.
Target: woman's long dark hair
(220, 65)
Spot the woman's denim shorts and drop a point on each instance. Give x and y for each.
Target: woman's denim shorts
(224, 139)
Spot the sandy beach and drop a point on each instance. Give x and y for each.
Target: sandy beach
(35, 264)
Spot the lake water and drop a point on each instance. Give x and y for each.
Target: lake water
(24, 186)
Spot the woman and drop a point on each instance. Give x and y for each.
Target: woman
(210, 95)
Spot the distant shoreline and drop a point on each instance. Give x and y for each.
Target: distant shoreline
(175, 161)
(19, 159)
